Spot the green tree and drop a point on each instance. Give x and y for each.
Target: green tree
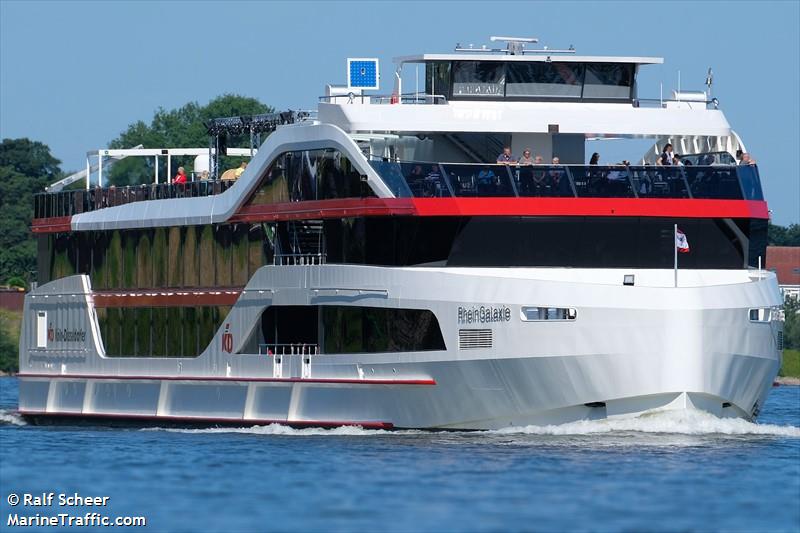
(783, 236)
(26, 167)
(179, 128)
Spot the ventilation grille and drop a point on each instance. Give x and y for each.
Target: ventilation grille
(474, 338)
(780, 340)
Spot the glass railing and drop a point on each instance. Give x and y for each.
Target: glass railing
(418, 179)
(68, 203)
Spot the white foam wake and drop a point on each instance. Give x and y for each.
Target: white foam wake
(681, 422)
(10, 417)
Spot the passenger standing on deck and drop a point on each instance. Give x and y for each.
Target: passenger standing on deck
(240, 170)
(667, 155)
(180, 177)
(595, 160)
(506, 158)
(526, 158)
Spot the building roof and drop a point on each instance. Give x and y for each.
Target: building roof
(785, 262)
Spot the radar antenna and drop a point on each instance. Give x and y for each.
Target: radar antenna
(514, 46)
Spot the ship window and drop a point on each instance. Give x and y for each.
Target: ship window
(437, 78)
(537, 314)
(608, 80)
(544, 79)
(309, 175)
(344, 329)
(159, 331)
(478, 78)
(350, 329)
(41, 329)
(760, 314)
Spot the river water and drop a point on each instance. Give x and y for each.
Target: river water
(679, 471)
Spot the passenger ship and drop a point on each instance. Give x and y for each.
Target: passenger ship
(375, 266)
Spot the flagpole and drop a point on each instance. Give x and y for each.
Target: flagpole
(675, 251)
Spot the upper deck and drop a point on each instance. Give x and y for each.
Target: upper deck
(437, 146)
(519, 90)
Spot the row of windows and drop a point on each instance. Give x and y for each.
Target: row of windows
(310, 175)
(517, 79)
(227, 255)
(220, 255)
(578, 242)
(159, 331)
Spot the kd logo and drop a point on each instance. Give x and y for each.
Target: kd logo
(227, 339)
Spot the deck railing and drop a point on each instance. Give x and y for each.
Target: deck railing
(68, 203)
(288, 349)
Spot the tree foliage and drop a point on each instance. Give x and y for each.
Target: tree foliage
(179, 128)
(783, 236)
(26, 167)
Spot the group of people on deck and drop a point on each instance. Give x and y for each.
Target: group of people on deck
(507, 158)
(229, 175)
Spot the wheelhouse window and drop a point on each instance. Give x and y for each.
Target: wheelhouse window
(437, 78)
(530, 79)
(544, 79)
(608, 80)
(483, 79)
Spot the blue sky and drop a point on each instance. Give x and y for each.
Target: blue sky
(75, 74)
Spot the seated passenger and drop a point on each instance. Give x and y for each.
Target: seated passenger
(416, 180)
(506, 158)
(526, 158)
(433, 183)
(559, 183)
(747, 160)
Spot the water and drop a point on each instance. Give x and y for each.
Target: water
(680, 471)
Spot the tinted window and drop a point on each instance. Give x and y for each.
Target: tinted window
(478, 78)
(543, 181)
(608, 80)
(713, 182)
(479, 180)
(375, 329)
(544, 79)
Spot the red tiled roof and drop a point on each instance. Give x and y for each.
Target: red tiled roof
(785, 262)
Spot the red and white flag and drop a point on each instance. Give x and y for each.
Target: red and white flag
(681, 242)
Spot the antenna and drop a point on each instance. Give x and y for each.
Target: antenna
(709, 82)
(514, 46)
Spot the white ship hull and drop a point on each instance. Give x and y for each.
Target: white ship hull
(630, 350)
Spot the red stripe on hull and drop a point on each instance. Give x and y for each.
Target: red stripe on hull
(426, 207)
(324, 381)
(620, 207)
(165, 298)
(210, 420)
